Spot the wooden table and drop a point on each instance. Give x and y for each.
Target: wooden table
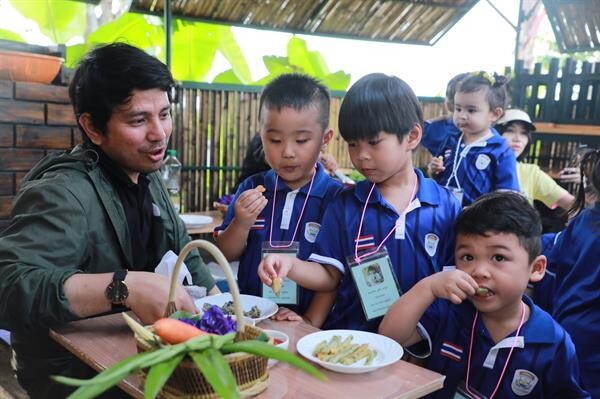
(208, 228)
(103, 341)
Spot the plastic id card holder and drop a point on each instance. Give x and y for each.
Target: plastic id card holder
(462, 393)
(376, 283)
(458, 194)
(289, 289)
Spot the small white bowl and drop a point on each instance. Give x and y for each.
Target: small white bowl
(278, 335)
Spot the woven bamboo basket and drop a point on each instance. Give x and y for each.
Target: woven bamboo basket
(250, 371)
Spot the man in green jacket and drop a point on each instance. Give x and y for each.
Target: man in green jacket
(90, 225)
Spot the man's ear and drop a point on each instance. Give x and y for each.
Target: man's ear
(95, 135)
(538, 269)
(414, 136)
(327, 136)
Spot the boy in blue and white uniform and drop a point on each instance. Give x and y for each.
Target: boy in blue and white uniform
(498, 342)
(396, 222)
(576, 259)
(281, 210)
(477, 160)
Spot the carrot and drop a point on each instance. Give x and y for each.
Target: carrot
(175, 331)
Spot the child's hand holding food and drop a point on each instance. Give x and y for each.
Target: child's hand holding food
(454, 285)
(435, 166)
(274, 267)
(248, 206)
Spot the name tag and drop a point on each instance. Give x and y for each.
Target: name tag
(288, 295)
(376, 283)
(458, 193)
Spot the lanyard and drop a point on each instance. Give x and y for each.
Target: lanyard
(507, 358)
(299, 218)
(362, 217)
(463, 154)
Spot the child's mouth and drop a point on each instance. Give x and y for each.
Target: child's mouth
(484, 292)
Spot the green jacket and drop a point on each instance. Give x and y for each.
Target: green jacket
(67, 219)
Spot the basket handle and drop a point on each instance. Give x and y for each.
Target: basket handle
(222, 262)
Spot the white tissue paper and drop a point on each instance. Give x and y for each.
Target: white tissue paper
(167, 265)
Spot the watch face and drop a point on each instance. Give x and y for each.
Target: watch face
(117, 291)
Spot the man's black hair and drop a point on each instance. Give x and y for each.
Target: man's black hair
(503, 212)
(298, 92)
(107, 76)
(379, 103)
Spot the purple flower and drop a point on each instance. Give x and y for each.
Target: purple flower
(226, 199)
(214, 321)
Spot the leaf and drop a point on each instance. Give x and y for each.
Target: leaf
(182, 314)
(10, 35)
(159, 374)
(60, 20)
(337, 81)
(310, 62)
(272, 352)
(216, 371)
(228, 77)
(230, 49)
(194, 49)
(134, 29)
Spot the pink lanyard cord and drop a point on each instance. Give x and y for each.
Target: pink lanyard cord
(357, 258)
(507, 358)
(299, 218)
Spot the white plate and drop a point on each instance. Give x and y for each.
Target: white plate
(195, 220)
(267, 307)
(388, 350)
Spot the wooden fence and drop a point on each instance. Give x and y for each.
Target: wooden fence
(564, 103)
(567, 95)
(213, 125)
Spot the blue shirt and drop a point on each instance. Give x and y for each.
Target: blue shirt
(548, 354)
(437, 133)
(576, 259)
(323, 191)
(427, 247)
(489, 165)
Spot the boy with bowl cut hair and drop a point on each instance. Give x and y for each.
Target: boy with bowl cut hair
(286, 217)
(498, 343)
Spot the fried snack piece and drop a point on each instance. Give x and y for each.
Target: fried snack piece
(260, 188)
(276, 285)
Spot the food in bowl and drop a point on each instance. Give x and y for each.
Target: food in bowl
(279, 339)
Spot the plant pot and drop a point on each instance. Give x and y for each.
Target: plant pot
(28, 67)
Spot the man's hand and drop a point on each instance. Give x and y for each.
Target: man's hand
(248, 206)
(148, 295)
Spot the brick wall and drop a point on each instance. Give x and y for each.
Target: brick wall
(35, 119)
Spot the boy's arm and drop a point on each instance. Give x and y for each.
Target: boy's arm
(310, 275)
(400, 321)
(247, 207)
(319, 308)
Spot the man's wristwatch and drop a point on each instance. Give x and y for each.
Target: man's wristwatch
(117, 291)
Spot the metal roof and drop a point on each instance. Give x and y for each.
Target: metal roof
(401, 21)
(576, 24)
